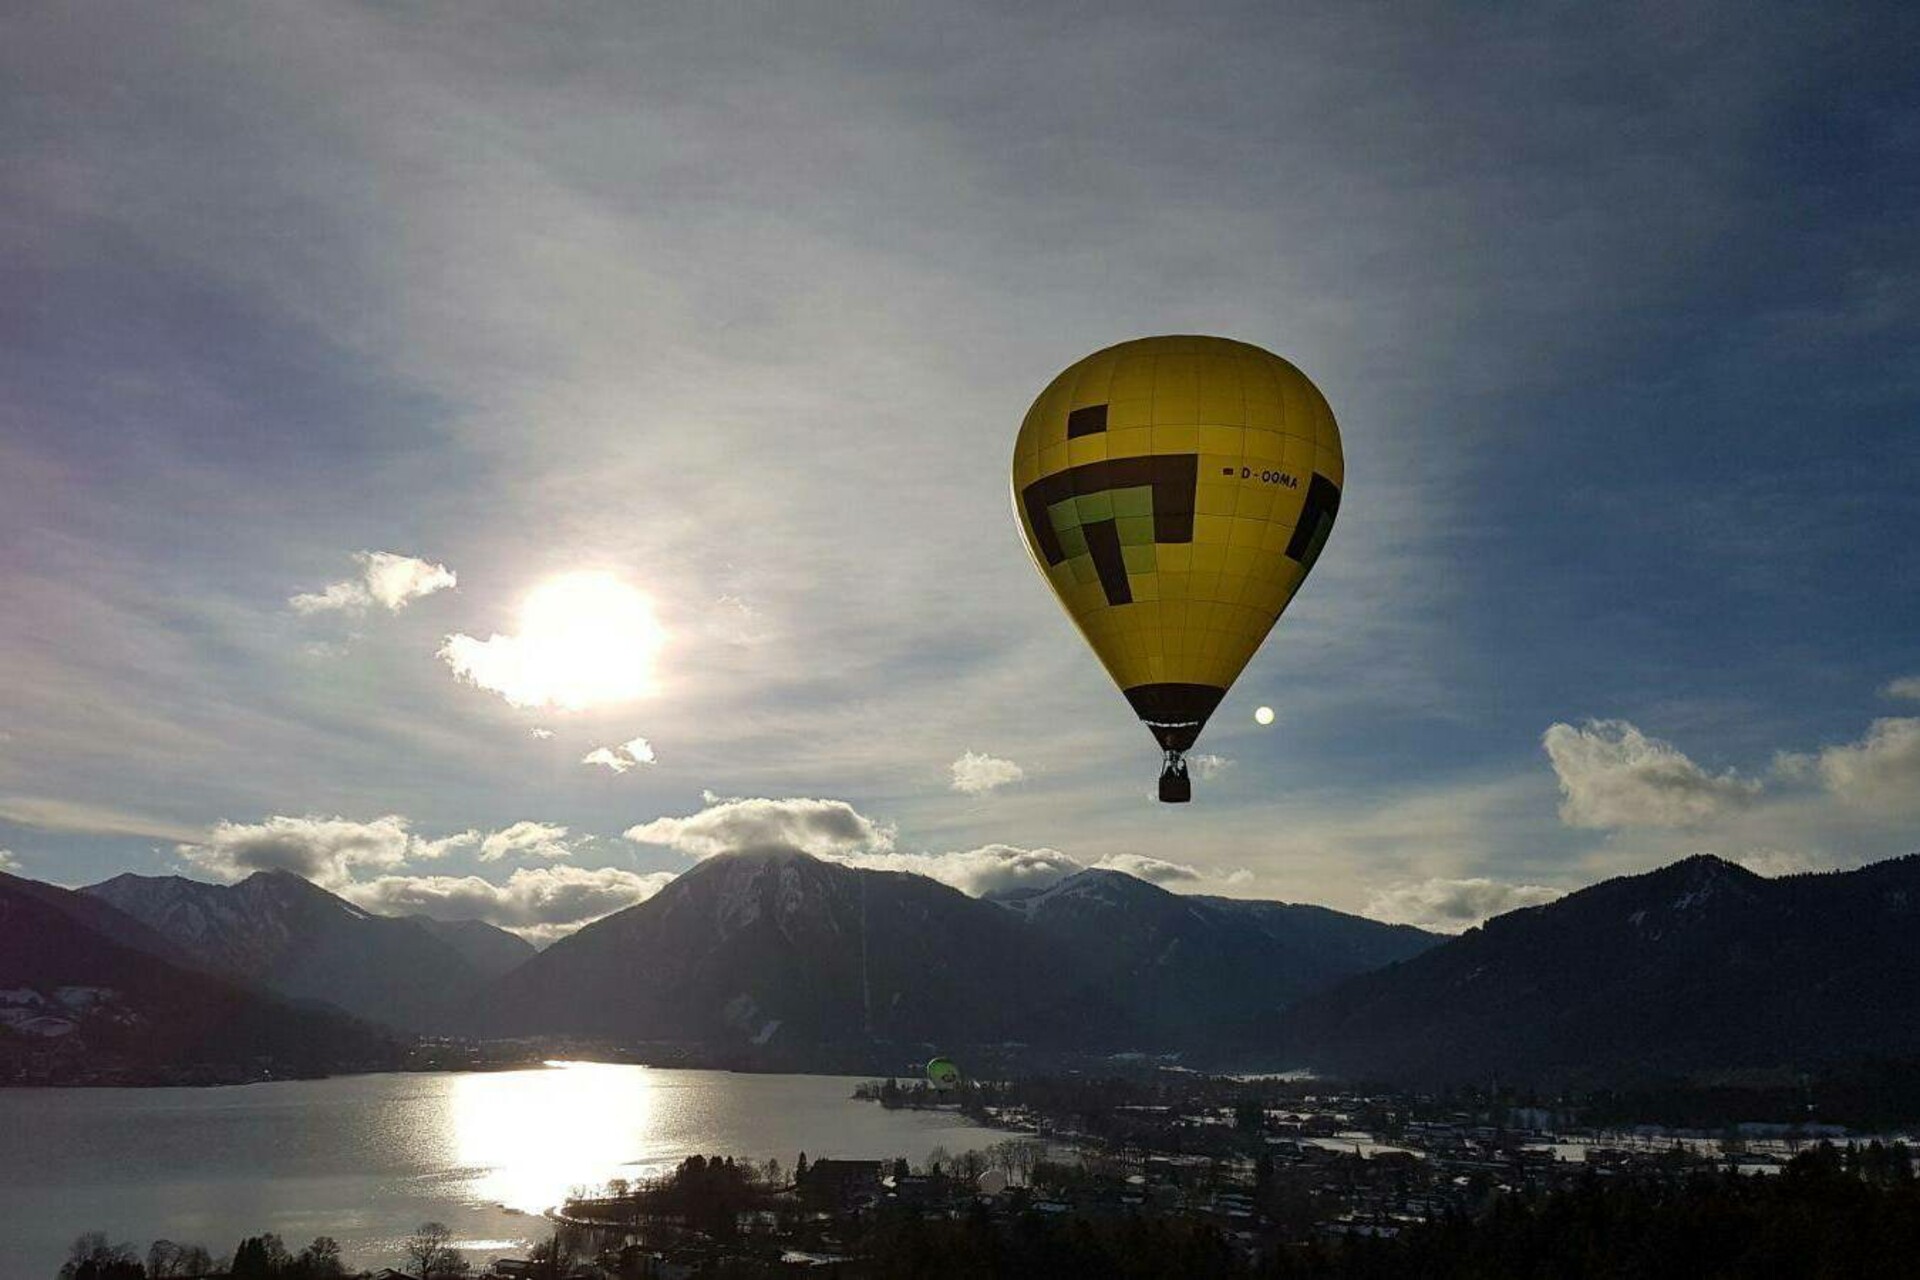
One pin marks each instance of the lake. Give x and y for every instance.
(366, 1159)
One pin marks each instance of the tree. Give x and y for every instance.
(250, 1260)
(430, 1253)
(800, 1168)
(93, 1258)
(319, 1260)
(163, 1260)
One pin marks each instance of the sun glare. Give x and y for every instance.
(586, 639)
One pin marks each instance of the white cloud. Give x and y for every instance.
(1153, 870)
(976, 774)
(431, 849)
(988, 869)
(526, 840)
(620, 758)
(9, 862)
(327, 851)
(1453, 905)
(1208, 766)
(1907, 687)
(538, 903)
(585, 639)
(1881, 772)
(825, 828)
(541, 734)
(1612, 775)
(1782, 862)
(387, 579)
(837, 832)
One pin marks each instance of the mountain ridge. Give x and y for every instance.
(1700, 965)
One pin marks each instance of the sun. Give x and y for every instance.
(586, 639)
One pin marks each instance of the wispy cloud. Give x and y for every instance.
(9, 862)
(387, 579)
(1907, 687)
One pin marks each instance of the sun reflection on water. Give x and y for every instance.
(528, 1138)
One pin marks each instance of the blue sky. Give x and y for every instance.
(742, 305)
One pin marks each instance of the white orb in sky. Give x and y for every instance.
(1263, 715)
(586, 640)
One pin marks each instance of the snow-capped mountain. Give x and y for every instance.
(84, 988)
(751, 948)
(294, 937)
(1701, 965)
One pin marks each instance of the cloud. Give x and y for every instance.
(541, 734)
(625, 756)
(387, 579)
(837, 832)
(538, 903)
(977, 774)
(431, 849)
(988, 869)
(824, 828)
(1782, 862)
(526, 840)
(327, 851)
(91, 819)
(1880, 772)
(1907, 687)
(1612, 775)
(9, 862)
(1453, 905)
(1208, 766)
(1153, 870)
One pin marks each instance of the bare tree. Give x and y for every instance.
(430, 1253)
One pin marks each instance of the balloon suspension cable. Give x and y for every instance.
(1176, 786)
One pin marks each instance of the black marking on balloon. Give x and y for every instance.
(1316, 521)
(1089, 421)
(1172, 476)
(1103, 541)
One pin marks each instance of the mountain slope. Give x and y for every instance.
(490, 950)
(1182, 966)
(294, 937)
(74, 1000)
(1698, 966)
(784, 948)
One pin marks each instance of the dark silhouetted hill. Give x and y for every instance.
(78, 1001)
(1698, 967)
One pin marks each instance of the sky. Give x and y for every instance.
(333, 335)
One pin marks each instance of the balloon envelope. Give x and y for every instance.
(1175, 492)
(942, 1074)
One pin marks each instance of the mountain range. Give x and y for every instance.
(293, 937)
(1698, 967)
(87, 992)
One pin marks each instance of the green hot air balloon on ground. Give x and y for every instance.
(943, 1075)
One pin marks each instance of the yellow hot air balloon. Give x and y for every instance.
(1175, 492)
